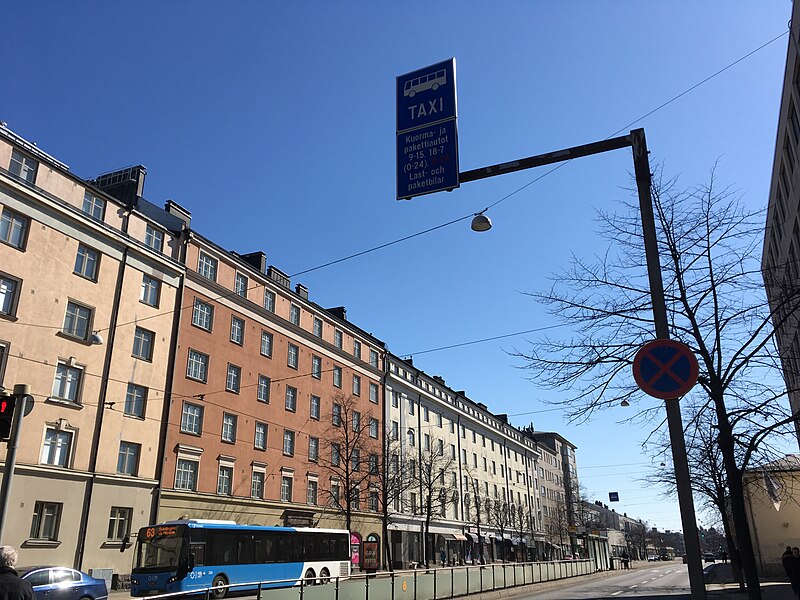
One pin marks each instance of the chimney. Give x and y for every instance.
(438, 379)
(279, 277)
(126, 185)
(338, 311)
(177, 210)
(301, 291)
(257, 260)
(503, 417)
(482, 405)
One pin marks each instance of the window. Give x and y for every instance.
(373, 393)
(356, 348)
(77, 321)
(294, 314)
(313, 449)
(373, 501)
(337, 376)
(356, 420)
(355, 459)
(288, 442)
(263, 388)
(356, 385)
(311, 493)
(46, 519)
(373, 358)
(411, 437)
(317, 327)
(224, 480)
(426, 442)
(336, 415)
(335, 493)
(185, 474)
(135, 399)
(292, 355)
(143, 344)
(373, 428)
(128, 458)
(410, 406)
(86, 261)
(260, 439)
(240, 285)
(192, 418)
(440, 447)
(233, 380)
(154, 238)
(413, 503)
(453, 451)
(237, 330)
(291, 398)
(197, 365)
(373, 464)
(119, 523)
(67, 383)
(395, 400)
(474, 460)
(485, 464)
(23, 166)
(315, 407)
(439, 419)
(207, 266)
(395, 431)
(57, 448)
(338, 338)
(355, 498)
(9, 294)
(269, 300)
(151, 290)
(266, 344)
(425, 414)
(316, 367)
(257, 485)
(93, 206)
(202, 315)
(336, 455)
(13, 228)
(286, 488)
(229, 428)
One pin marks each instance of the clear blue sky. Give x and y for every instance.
(274, 124)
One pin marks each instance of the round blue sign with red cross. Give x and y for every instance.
(665, 369)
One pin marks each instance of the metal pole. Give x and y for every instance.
(22, 394)
(641, 164)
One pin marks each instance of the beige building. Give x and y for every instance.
(88, 288)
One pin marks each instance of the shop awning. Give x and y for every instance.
(471, 536)
(459, 537)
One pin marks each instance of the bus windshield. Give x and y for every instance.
(159, 550)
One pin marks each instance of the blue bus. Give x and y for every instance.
(193, 555)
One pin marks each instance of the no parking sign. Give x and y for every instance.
(665, 369)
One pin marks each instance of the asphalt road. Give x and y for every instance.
(660, 581)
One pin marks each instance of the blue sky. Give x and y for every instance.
(274, 124)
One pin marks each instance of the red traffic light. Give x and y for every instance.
(7, 406)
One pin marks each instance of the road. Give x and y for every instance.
(651, 582)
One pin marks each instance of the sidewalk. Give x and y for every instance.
(721, 586)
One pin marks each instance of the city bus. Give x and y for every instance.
(193, 555)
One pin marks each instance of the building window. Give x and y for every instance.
(233, 379)
(192, 418)
(67, 383)
(410, 406)
(317, 327)
(202, 315)
(286, 489)
(453, 451)
(240, 285)
(373, 359)
(336, 415)
(313, 449)
(197, 365)
(13, 228)
(311, 493)
(355, 498)
(292, 355)
(338, 338)
(135, 400)
(426, 442)
(186, 475)
(355, 459)
(260, 440)
(395, 431)
(224, 480)
(257, 485)
(264, 383)
(128, 458)
(154, 238)
(86, 262)
(151, 290)
(411, 438)
(294, 314)
(269, 300)
(395, 400)
(425, 414)
(315, 407)
(373, 501)
(119, 523)
(373, 428)
(373, 464)
(207, 266)
(288, 442)
(291, 398)
(143, 344)
(337, 376)
(237, 330)
(335, 493)
(93, 206)
(266, 344)
(57, 448)
(9, 295)
(356, 385)
(229, 428)
(356, 420)
(356, 348)
(23, 166)
(336, 455)
(373, 393)
(316, 367)
(77, 321)
(46, 519)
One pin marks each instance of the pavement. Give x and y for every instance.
(720, 585)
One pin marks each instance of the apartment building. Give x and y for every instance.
(267, 386)
(88, 290)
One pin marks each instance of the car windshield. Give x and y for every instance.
(158, 553)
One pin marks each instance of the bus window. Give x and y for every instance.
(246, 550)
(199, 551)
(223, 548)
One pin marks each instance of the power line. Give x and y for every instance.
(482, 340)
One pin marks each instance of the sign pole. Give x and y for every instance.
(22, 393)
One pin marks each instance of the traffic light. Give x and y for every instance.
(7, 405)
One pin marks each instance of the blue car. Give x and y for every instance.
(61, 583)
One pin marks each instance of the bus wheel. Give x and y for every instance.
(310, 577)
(218, 589)
(324, 576)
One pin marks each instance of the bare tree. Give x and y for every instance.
(391, 485)
(709, 244)
(556, 526)
(499, 516)
(435, 488)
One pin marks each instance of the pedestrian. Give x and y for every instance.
(443, 557)
(724, 556)
(11, 586)
(791, 564)
(625, 560)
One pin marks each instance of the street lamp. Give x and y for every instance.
(480, 222)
